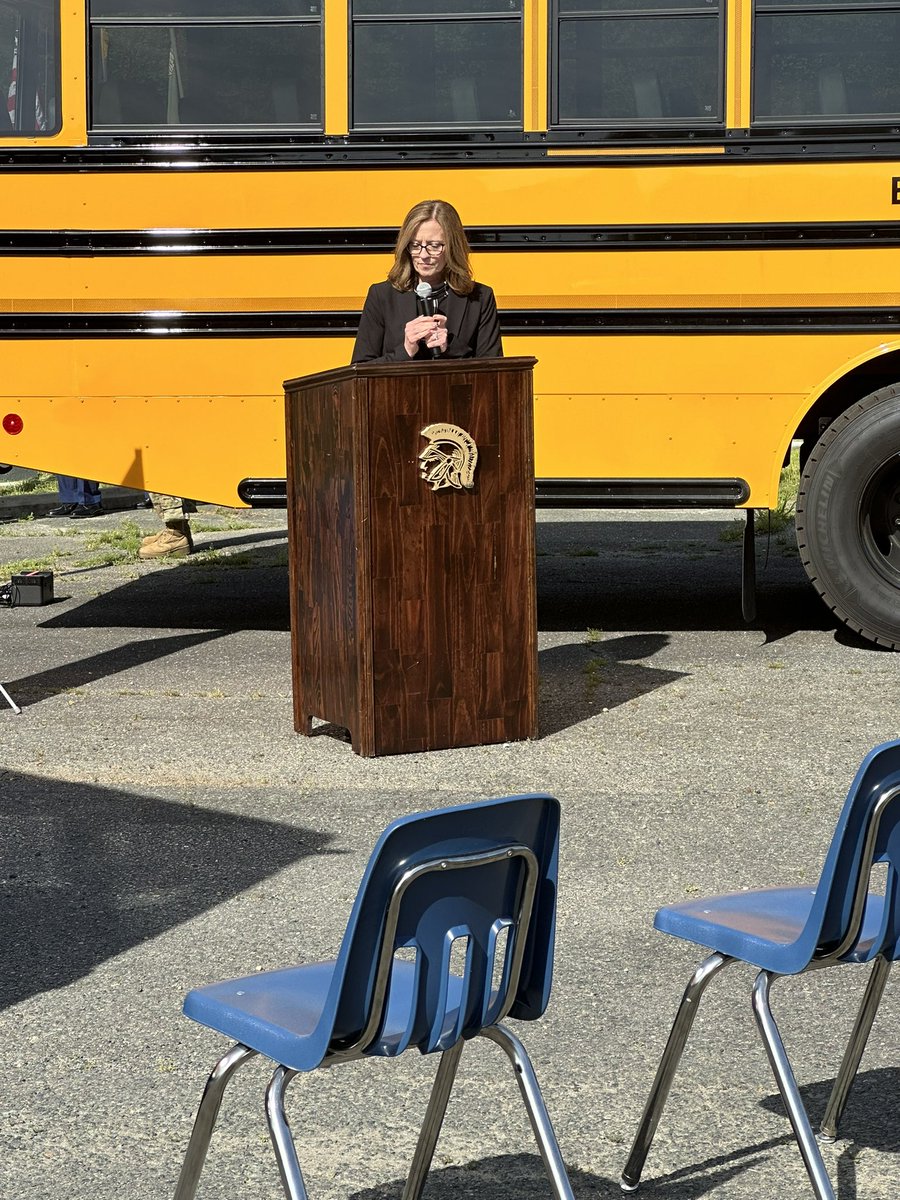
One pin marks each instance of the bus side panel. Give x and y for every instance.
(633, 409)
(186, 415)
(175, 415)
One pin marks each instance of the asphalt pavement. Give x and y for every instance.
(163, 827)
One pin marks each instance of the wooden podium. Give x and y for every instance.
(413, 606)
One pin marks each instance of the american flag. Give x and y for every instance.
(11, 94)
(40, 122)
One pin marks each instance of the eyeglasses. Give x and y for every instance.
(431, 247)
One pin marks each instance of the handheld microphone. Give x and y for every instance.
(426, 308)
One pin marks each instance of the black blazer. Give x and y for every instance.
(473, 330)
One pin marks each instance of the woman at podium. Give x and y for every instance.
(429, 306)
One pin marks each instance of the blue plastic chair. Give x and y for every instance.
(452, 930)
(785, 931)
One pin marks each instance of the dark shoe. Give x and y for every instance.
(86, 510)
(64, 510)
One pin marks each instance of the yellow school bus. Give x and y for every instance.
(688, 210)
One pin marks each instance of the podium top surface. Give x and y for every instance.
(415, 366)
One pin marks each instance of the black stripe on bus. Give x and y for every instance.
(375, 240)
(266, 150)
(573, 493)
(514, 322)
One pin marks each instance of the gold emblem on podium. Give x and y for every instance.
(449, 459)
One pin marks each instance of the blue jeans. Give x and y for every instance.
(77, 491)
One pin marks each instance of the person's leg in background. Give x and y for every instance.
(174, 540)
(76, 495)
(90, 504)
(69, 498)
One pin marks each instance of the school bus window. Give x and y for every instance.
(419, 64)
(830, 61)
(225, 9)
(615, 63)
(29, 68)
(255, 65)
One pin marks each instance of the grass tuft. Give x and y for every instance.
(779, 518)
(126, 537)
(44, 562)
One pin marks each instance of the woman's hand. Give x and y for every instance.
(430, 330)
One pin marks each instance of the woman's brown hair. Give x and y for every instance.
(456, 247)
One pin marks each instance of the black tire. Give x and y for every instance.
(848, 517)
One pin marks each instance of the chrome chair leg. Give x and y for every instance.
(205, 1120)
(279, 1131)
(537, 1111)
(668, 1065)
(434, 1119)
(855, 1049)
(787, 1085)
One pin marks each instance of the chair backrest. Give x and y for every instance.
(464, 99)
(648, 100)
(286, 102)
(867, 832)
(108, 104)
(476, 877)
(833, 92)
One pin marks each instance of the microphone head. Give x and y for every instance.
(423, 290)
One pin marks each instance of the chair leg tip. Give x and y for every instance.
(628, 1187)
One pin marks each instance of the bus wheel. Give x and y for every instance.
(848, 517)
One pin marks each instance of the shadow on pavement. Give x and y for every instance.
(501, 1177)
(705, 1177)
(87, 872)
(641, 576)
(666, 575)
(31, 689)
(520, 1176)
(245, 591)
(579, 681)
(869, 1121)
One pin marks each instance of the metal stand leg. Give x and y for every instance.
(206, 1119)
(855, 1048)
(9, 700)
(537, 1111)
(285, 1151)
(787, 1085)
(434, 1119)
(668, 1065)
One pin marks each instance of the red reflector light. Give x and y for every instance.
(12, 423)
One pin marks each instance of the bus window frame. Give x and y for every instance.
(14, 136)
(462, 127)
(818, 122)
(671, 126)
(98, 132)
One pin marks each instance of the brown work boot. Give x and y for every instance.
(170, 543)
(151, 537)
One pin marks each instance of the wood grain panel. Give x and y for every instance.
(413, 617)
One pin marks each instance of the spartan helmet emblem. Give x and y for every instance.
(449, 459)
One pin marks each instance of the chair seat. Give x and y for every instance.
(784, 931)
(762, 927)
(452, 929)
(279, 1013)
